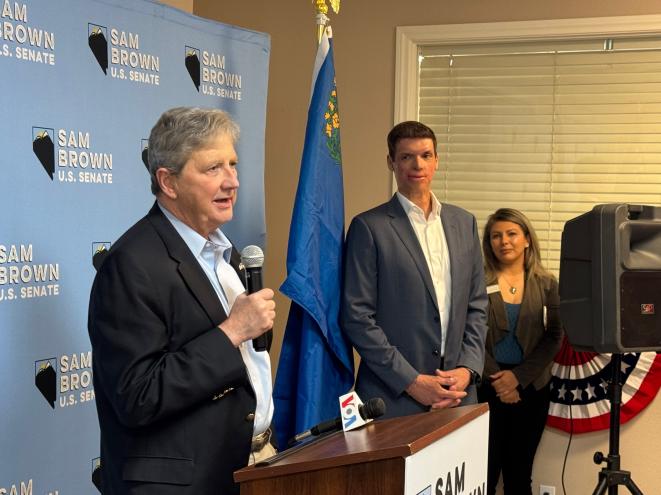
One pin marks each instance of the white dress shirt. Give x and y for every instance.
(431, 237)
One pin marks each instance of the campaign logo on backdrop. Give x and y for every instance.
(65, 381)
(192, 63)
(122, 55)
(96, 472)
(72, 154)
(22, 40)
(44, 148)
(18, 488)
(99, 252)
(45, 379)
(97, 40)
(212, 74)
(144, 152)
(21, 277)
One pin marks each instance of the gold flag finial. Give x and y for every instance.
(321, 9)
(335, 4)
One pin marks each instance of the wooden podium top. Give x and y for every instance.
(385, 439)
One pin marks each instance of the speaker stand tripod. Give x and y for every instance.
(611, 476)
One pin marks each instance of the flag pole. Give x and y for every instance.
(321, 9)
(322, 19)
(316, 362)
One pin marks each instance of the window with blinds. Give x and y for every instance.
(551, 129)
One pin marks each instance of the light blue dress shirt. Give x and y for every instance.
(213, 255)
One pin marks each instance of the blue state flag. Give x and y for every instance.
(316, 362)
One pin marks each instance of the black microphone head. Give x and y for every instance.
(373, 408)
(252, 257)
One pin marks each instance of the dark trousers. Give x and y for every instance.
(514, 433)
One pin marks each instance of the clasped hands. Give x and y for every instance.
(505, 384)
(441, 390)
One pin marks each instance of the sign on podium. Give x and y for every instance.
(435, 453)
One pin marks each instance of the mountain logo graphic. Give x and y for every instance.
(44, 148)
(99, 252)
(98, 43)
(144, 153)
(45, 379)
(192, 63)
(96, 473)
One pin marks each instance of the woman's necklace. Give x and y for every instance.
(512, 290)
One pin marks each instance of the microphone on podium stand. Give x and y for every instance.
(252, 258)
(372, 409)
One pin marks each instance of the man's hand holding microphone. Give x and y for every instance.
(253, 312)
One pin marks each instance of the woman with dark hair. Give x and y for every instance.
(524, 335)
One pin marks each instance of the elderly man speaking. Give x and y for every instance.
(182, 396)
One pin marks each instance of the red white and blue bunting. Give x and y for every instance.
(579, 388)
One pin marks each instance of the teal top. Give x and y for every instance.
(508, 350)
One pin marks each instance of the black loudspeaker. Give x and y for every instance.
(610, 279)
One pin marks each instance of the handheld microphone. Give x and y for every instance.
(252, 258)
(373, 408)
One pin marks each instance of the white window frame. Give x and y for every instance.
(410, 37)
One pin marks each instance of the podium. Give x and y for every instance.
(437, 452)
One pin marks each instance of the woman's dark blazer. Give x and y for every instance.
(538, 330)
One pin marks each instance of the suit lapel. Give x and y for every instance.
(497, 307)
(404, 230)
(190, 270)
(450, 229)
(532, 299)
(237, 264)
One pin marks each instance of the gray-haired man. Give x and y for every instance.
(183, 399)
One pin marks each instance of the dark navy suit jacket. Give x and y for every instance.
(175, 404)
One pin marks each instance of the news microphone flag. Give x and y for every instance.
(316, 362)
(352, 418)
(354, 415)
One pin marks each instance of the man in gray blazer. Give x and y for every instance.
(414, 302)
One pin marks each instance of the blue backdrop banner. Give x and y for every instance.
(82, 82)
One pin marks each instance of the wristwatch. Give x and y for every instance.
(475, 376)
